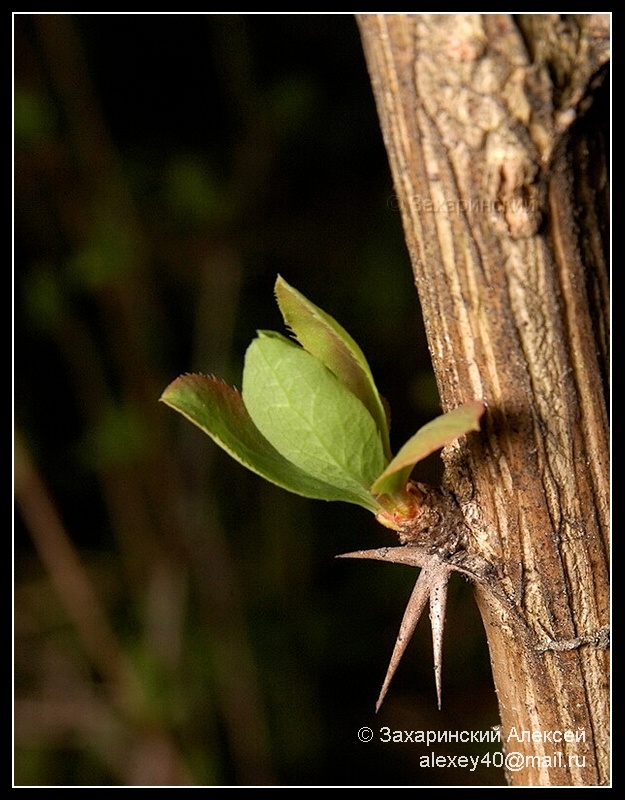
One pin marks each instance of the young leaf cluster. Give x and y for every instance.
(310, 418)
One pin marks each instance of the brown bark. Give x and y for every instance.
(501, 177)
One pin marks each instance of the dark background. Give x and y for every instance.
(167, 168)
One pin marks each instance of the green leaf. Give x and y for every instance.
(326, 340)
(219, 411)
(310, 417)
(431, 437)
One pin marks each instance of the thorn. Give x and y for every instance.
(438, 604)
(431, 583)
(413, 612)
(410, 555)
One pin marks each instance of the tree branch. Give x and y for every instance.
(480, 118)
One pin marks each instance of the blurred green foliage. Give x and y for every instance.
(189, 624)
